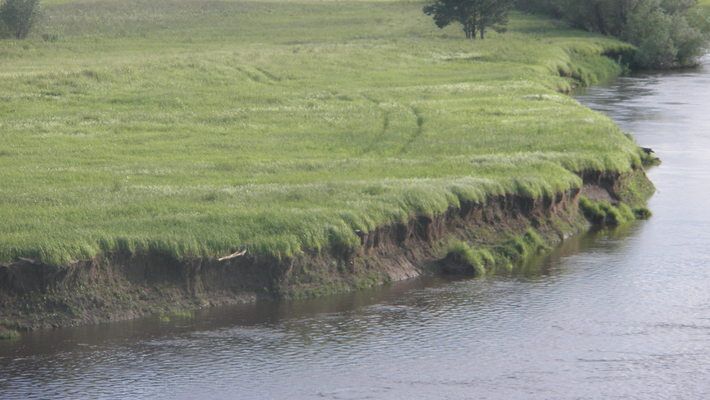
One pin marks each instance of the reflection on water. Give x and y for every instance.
(608, 315)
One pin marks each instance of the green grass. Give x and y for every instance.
(475, 261)
(603, 213)
(481, 259)
(198, 128)
(9, 334)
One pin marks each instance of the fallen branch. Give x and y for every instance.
(233, 255)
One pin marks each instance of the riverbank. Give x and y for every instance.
(474, 239)
(312, 147)
(614, 313)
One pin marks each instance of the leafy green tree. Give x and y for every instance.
(18, 16)
(667, 33)
(678, 6)
(475, 16)
(446, 12)
(604, 16)
(493, 15)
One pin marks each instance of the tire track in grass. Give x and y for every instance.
(259, 75)
(266, 73)
(418, 132)
(379, 137)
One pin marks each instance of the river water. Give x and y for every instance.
(622, 314)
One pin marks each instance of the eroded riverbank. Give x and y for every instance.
(123, 286)
(611, 315)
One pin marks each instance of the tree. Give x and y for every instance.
(667, 33)
(493, 14)
(18, 16)
(475, 16)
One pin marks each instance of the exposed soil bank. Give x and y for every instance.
(122, 286)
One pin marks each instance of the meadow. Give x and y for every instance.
(200, 128)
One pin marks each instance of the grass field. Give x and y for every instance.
(198, 128)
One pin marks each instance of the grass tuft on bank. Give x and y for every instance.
(603, 213)
(9, 334)
(463, 258)
(198, 129)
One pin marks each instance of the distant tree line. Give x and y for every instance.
(475, 16)
(17, 17)
(667, 33)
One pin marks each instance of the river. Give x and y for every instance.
(623, 314)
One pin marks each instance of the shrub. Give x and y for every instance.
(17, 17)
(665, 38)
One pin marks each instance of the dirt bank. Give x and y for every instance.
(123, 286)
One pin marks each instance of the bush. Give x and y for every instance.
(17, 17)
(665, 38)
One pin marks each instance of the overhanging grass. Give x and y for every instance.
(604, 213)
(197, 128)
(479, 260)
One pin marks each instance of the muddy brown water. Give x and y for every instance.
(622, 314)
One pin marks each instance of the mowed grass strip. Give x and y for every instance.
(198, 128)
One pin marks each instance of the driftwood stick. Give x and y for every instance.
(233, 255)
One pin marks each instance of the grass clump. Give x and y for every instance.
(649, 158)
(9, 334)
(642, 213)
(604, 213)
(522, 247)
(196, 129)
(176, 315)
(463, 259)
(635, 189)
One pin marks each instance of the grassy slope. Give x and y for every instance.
(202, 127)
